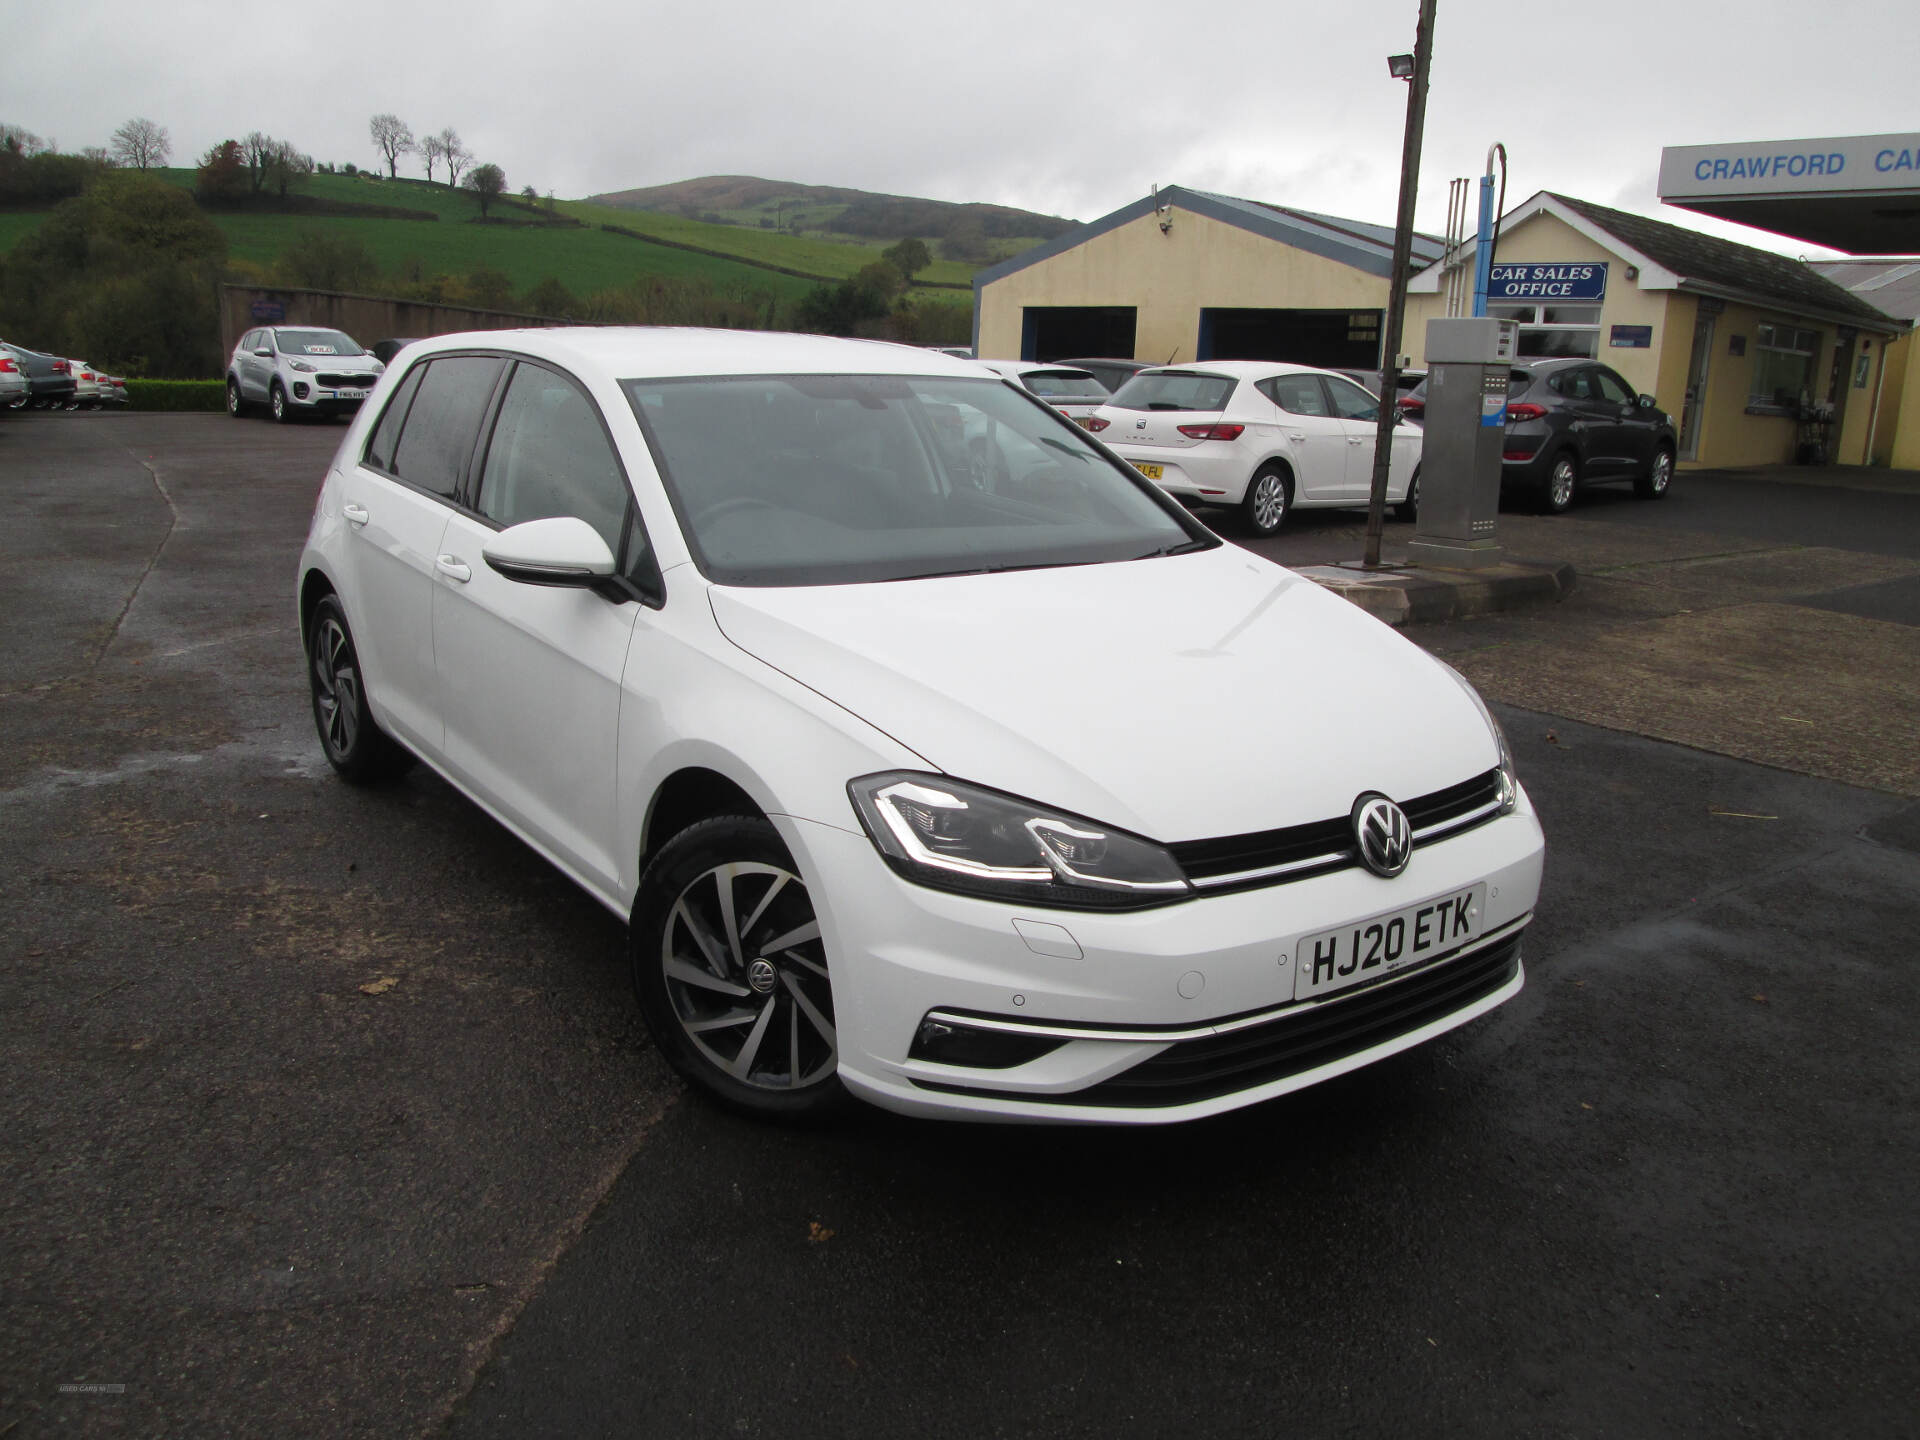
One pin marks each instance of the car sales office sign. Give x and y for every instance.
(1551, 280)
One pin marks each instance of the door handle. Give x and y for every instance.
(1355, 440)
(450, 566)
(1297, 436)
(356, 514)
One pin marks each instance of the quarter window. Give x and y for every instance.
(1783, 357)
(549, 456)
(380, 446)
(437, 435)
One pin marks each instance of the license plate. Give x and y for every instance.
(1367, 949)
(1152, 472)
(350, 394)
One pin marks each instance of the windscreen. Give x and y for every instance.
(1174, 390)
(840, 479)
(1064, 385)
(316, 342)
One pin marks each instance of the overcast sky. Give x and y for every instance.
(1070, 109)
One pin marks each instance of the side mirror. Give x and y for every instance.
(1647, 402)
(562, 551)
(264, 354)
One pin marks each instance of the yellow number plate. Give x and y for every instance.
(1152, 472)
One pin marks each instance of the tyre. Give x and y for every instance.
(730, 972)
(1659, 477)
(1562, 480)
(1409, 508)
(356, 746)
(1269, 494)
(277, 403)
(236, 407)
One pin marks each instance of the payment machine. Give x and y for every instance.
(1466, 426)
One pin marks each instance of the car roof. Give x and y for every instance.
(622, 352)
(1243, 369)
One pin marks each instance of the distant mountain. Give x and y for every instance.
(784, 205)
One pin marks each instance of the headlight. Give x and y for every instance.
(1509, 779)
(303, 367)
(954, 836)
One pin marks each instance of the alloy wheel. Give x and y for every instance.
(1269, 502)
(1560, 484)
(746, 975)
(336, 688)
(1662, 475)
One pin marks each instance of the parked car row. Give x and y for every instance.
(32, 379)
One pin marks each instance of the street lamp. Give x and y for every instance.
(1414, 68)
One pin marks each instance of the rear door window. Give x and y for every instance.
(437, 435)
(1296, 394)
(1612, 387)
(1350, 402)
(380, 446)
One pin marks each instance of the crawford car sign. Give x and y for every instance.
(1552, 280)
(1791, 167)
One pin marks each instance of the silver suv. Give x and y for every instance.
(299, 370)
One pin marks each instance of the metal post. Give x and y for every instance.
(1483, 247)
(1397, 296)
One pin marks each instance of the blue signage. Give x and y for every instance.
(269, 311)
(1631, 337)
(1557, 280)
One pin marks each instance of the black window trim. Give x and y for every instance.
(1327, 379)
(456, 500)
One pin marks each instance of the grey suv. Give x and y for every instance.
(1573, 423)
(298, 370)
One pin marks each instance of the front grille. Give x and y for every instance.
(1300, 851)
(335, 382)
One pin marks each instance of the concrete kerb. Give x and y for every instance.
(1413, 595)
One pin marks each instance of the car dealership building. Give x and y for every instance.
(1760, 358)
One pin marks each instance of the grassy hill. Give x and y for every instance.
(585, 258)
(843, 215)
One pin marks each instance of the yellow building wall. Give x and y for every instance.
(1900, 410)
(1544, 239)
(1169, 277)
(1732, 436)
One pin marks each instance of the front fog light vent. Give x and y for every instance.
(947, 1042)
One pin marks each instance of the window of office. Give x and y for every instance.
(1552, 332)
(1783, 357)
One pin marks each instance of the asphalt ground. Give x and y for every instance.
(328, 1111)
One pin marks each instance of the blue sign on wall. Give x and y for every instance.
(269, 310)
(1556, 280)
(1631, 337)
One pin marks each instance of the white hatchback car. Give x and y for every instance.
(1264, 436)
(908, 758)
(1076, 394)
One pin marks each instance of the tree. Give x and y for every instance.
(457, 156)
(20, 140)
(487, 181)
(328, 260)
(392, 137)
(909, 257)
(530, 195)
(431, 153)
(551, 299)
(489, 289)
(141, 145)
(286, 167)
(222, 176)
(257, 151)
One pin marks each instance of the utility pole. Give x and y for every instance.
(1402, 262)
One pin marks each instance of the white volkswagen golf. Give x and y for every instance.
(931, 753)
(1261, 435)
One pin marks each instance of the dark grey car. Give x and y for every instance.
(1572, 423)
(49, 378)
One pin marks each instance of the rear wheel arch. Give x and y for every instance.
(313, 589)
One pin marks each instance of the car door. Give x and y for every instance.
(1359, 413)
(530, 675)
(251, 368)
(1594, 421)
(397, 497)
(1313, 439)
(1633, 424)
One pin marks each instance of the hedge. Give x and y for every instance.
(176, 394)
